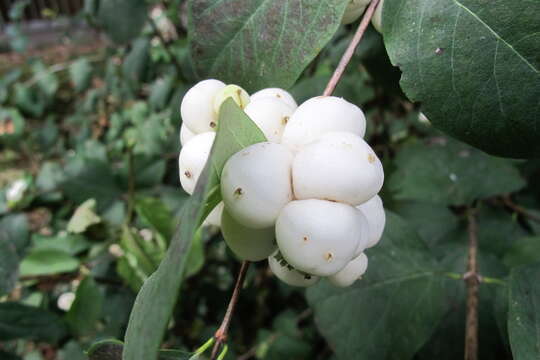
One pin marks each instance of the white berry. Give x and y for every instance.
(197, 108)
(321, 115)
(373, 210)
(339, 166)
(287, 274)
(271, 115)
(318, 237)
(350, 273)
(185, 134)
(247, 243)
(354, 9)
(376, 20)
(214, 218)
(235, 92)
(277, 93)
(192, 159)
(256, 184)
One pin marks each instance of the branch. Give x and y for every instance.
(472, 279)
(347, 55)
(222, 332)
(507, 200)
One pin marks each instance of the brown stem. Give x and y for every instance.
(507, 200)
(222, 332)
(472, 279)
(347, 55)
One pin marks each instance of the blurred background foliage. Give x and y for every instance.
(90, 196)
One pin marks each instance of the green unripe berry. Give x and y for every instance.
(239, 95)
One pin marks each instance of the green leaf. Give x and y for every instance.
(15, 230)
(19, 321)
(84, 217)
(474, 67)
(112, 350)
(523, 251)
(160, 92)
(123, 20)
(9, 266)
(81, 74)
(47, 262)
(70, 243)
(86, 309)
(523, 315)
(402, 290)
(136, 62)
(11, 124)
(443, 172)
(153, 306)
(154, 213)
(432, 221)
(260, 43)
(90, 179)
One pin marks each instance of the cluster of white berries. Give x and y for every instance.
(307, 198)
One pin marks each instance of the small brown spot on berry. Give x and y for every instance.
(212, 124)
(188, 174)
(305, 238)
(279, 96)
(329, 256)
(371, 158)
(238, 192)
(285, 120)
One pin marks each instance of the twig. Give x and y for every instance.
(507, 200)
(222, 332)
(131, 185)
(347, 55)
(472, 280)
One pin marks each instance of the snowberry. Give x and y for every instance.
(214, 218)
(376, 20)
(318, 237)
(350, 273)
(239, 95)
(192, 159)
(247, 243)
(321, 115)
(271, 115)
(256, 184)
(197, 108)
(354, 10)
(185, 134)
(288, 274)
(373, 210)
(339, 166)
(277, 93)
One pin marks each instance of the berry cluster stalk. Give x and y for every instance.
(347, 55)
(472, 279)
(221, 334)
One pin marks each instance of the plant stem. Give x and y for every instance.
(222, 332)
(131, 185)
(519, 209)
(472, 280)
(347, 55)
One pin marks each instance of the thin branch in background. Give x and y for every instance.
(222, 332)
(507, 200)
(472, 279)
(131, 185)
(347, 55)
